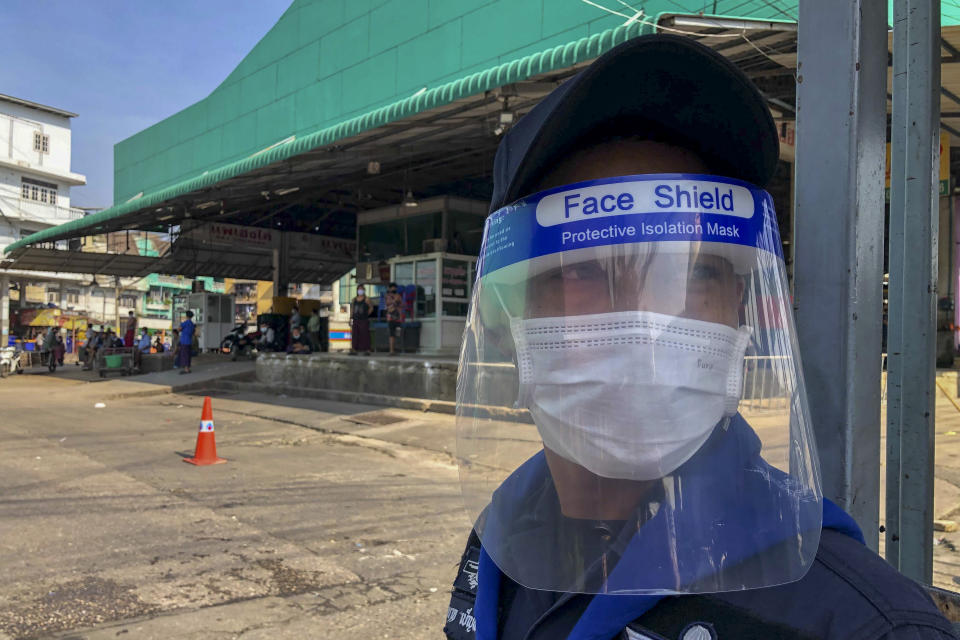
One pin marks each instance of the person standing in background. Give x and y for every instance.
(130, 335)
(360, 310)
(313, 330)
(394, 306)
(296, 319)
(187, 329)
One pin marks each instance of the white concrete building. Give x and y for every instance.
(35, 181)
(35, 175)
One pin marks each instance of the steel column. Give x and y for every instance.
(4, 310)
(838, 231)
(914, 222)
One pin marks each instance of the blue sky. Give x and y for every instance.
(122, 65)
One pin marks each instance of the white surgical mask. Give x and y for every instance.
(630, 395)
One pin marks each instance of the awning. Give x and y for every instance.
(315, 258)
(60, 261)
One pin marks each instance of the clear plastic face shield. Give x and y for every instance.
(631, 415)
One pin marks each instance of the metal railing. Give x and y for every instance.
(764, 386)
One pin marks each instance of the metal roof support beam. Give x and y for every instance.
(914, 222)
(841, 126)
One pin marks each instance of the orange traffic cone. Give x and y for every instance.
(206, 452)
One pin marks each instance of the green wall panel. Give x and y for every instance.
(318, 103)
(395, 22)
(193, 121)
(345, 46)
(488, 31)
(556, 39)
(299, 69)
(441, 11)
(276, 116)
(208, 147)
(436, 53)
(239, 135)
(224, 105)
(320, 18)
(326, 61)
(355, 8)
(370, 83)
(258, 89)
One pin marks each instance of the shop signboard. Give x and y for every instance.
(245, 239)
(236, 236)
(454, 279)
(326, 247)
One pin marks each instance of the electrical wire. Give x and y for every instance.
(778, 9)
(657, 26)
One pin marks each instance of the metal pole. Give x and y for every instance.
(116, 303)
(4, 310)
(914, 222)
(841, 131)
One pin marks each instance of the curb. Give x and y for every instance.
(356, 397)
(162, 390)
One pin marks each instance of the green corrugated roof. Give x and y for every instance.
(552, 59)
(326, 61)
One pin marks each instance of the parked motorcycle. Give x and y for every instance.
(10, 361)
(240, 343)
(248, 345)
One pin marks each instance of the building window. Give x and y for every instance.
(40, 191)
(41, 142)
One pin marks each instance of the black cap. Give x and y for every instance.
(666, 87)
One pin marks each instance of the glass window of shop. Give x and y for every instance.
(382, 240)
(425, 277)
(423, 228)
(465, 232)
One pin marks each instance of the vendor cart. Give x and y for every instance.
(115, 360)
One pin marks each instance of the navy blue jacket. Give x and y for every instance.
(849, 592)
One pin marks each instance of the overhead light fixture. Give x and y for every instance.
(373, 168)
(286, 190)
(409, 200)
(208, 204)
(505, 122)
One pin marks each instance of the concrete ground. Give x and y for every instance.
(340, 530)
(330, 520)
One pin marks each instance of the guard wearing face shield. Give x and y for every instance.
(629, 253)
